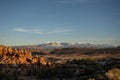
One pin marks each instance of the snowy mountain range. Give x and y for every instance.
(52, 45)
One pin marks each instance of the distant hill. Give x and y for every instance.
(87, 51)
(70, 48)
(53, 45)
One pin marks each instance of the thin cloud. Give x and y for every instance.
(37, 31)
(21, 30)
(27, 30)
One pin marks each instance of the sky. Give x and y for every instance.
(29, 22)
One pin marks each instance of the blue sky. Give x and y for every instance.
(28, 22)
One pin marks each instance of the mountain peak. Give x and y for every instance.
(53, 44)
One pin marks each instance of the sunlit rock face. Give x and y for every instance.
(10, 55)
(40, 60)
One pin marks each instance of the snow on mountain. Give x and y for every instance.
(52, 45)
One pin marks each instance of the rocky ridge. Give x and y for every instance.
(10, 55)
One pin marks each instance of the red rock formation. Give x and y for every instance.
(38, 60)
(10, 55)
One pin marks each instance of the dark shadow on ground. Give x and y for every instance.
(71, 70)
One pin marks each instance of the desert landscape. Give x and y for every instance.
(59, 64)
(59, 39)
